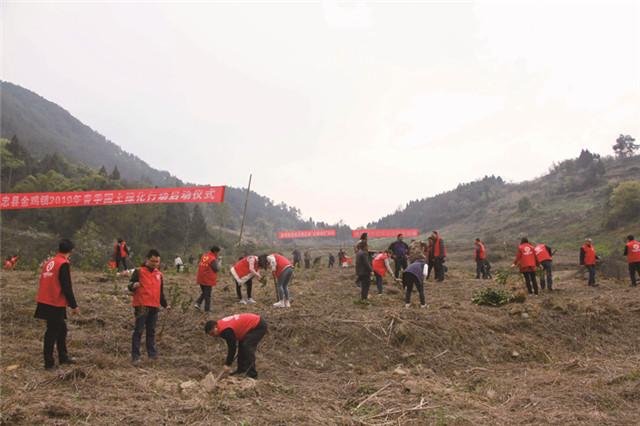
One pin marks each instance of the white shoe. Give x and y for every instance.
(250, 301)
(196, 306)
(408, 305)
(287, 304)
(423, 306)
(242, 302)
(279, 304)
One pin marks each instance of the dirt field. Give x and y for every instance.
(571, 357)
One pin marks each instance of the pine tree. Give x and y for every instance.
(115, 174)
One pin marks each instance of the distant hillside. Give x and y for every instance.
(569, 203)
(45, 128)
(47, 149)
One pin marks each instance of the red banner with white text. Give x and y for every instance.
(42, 200)
(385, 233)
(283, 235)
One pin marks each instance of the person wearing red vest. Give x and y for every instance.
(438, 255)
(241, 331)
(7, 265)
(207, 277)
(632, 251)
(545, 258)
(243, 272)
(381, 265)
(55, 293)
(147, 291)
(282, 271)
(526, 259)
(588, 258)
(480, 256)
(120, 254)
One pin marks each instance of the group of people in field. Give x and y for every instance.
(412, 265)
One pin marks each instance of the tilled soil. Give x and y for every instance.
(567, 357)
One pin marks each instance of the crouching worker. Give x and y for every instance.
(241, 331)
(147, 291)
(415, 275)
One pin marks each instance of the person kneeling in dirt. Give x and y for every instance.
(243, 331)
(147, 291)
(54, 295)
(414, 275)
(282, 270)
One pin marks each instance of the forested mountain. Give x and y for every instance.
(585, 196)
(47, 149)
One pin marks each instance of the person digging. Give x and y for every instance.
(241, 331)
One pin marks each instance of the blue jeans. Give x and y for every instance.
(146, 318)
(378, 283)
(283, 283)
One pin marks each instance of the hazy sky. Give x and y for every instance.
(345, 110)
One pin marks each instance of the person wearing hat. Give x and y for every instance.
(588, 258)
(242, 332)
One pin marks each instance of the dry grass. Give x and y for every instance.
(571, 357)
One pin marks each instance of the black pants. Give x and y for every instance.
(307, 263)
(121, 261)
(438, 266)
(400, 263)
(408, 281)
(247, 350)
(531, 282)
(481, 269)
(633, 268)
(205, 296)
(364, 282)
(56, 335)
(249, 285)
(546, 271)
(146, 319)
(592, 274)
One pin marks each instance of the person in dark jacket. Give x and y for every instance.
(55, 293)
(363, 270)
(297, 258)
(414, 275)
(332, 260)
(147, 289)
(400, 250)
(241, 331)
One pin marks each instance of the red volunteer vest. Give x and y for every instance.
(206, 275)
(480, 253)
(282, 263)
(526, 257)
(437, 250)
(50, 290)
(7, 265)
(241, 324)
(120, 249)
(542, 253)
(378, 264)
(633, 251)
(589, 255)
(148, 294)
(242, 266)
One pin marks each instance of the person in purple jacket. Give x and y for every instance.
(414, 276)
